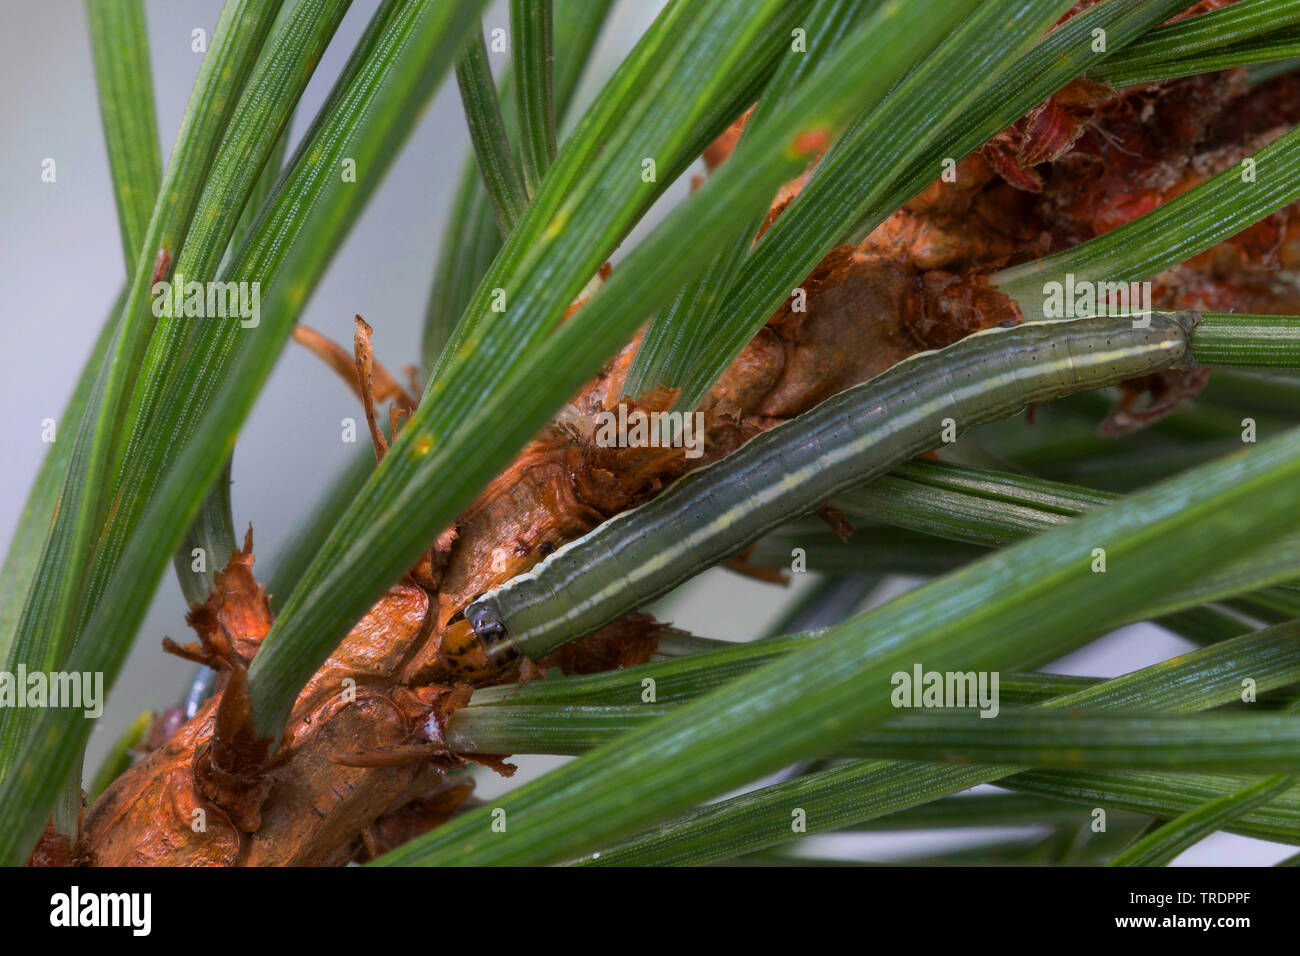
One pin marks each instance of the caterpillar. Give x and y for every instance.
(850, 439)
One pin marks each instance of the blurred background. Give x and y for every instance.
(61, 267)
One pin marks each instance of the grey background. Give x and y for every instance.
(61, 266)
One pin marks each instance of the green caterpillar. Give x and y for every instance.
(848, 440)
